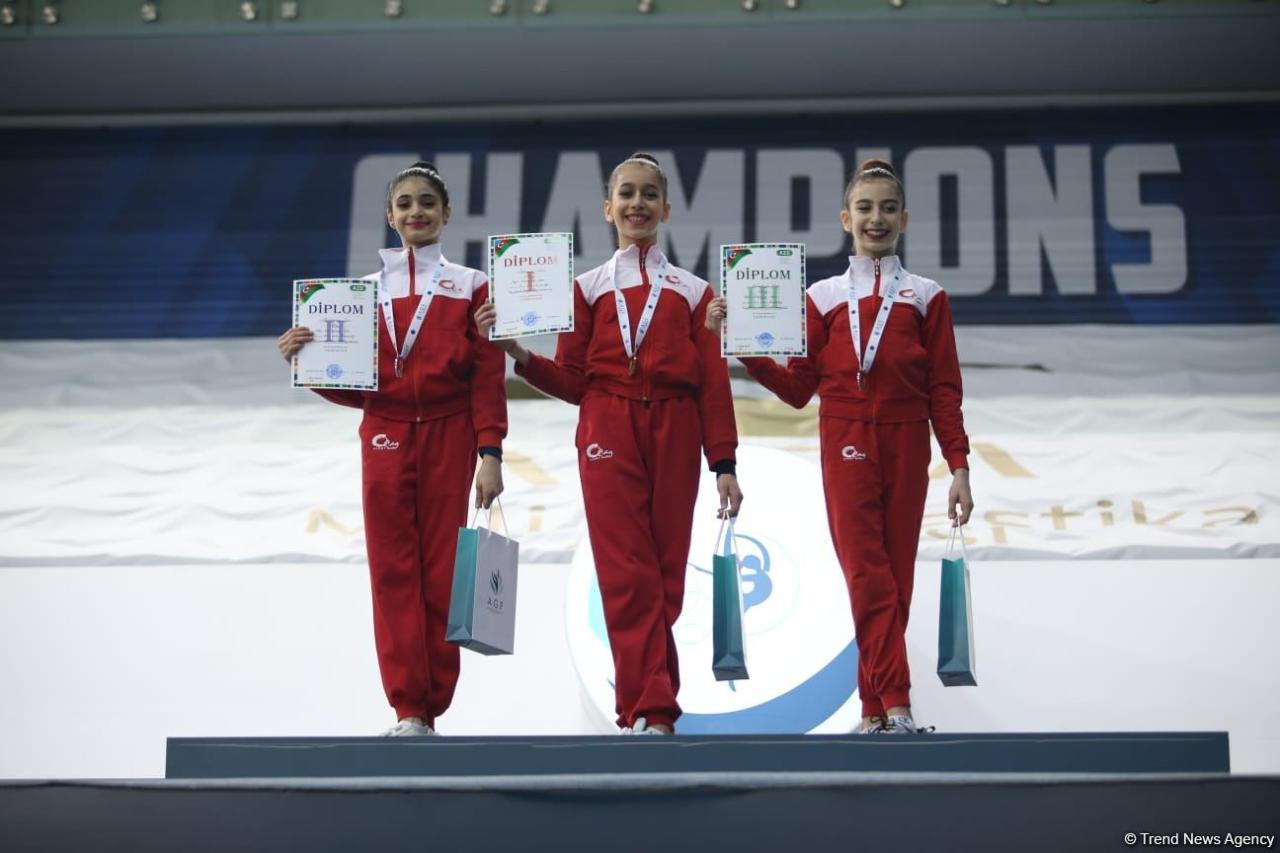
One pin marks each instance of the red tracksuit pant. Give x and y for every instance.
(417, 480)
(640, 465)
(876, 478)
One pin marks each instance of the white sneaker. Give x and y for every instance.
(875, 726)
(409, 728)
(641, 727)
(903, 724)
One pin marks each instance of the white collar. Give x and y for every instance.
(624, 266)
(397, 260)
(861, 266)
(631, 255)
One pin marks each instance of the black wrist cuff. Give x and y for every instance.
(726, 466)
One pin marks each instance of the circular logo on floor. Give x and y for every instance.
(800, 653)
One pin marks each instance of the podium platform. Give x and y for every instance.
(1093, 753)
(1047, 792)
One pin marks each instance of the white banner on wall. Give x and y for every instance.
(101, 466)
(282, 484)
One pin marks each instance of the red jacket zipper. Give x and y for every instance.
(413, 290)
(875, 292)
(640, 367)
(875, 306)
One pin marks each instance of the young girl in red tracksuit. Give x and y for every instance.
(441, 398)
(654, 392)
(878, 401)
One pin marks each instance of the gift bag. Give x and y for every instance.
(729, 660)
(482, 606)
(956, 662)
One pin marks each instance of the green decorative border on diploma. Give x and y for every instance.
(730, 254)
(309, 287)
(498, 246)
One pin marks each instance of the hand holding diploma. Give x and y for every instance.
(293, 340)
(485, 318)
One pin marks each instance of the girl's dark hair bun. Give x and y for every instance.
(874, 169)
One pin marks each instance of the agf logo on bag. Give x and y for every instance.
(494, 601)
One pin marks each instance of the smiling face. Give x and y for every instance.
(875, 215)
(637, 205)
(417, 213)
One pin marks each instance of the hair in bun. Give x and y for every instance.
(874, 169)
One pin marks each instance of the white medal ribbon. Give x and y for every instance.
(415, 325)
(646, 317)
(867, 358)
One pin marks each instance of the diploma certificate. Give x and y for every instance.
(531, 283)
(764, 286)
(343, 314)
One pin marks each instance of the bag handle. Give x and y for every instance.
(951, 542)
(488, 521)
(732, 541)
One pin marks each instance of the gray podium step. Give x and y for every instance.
(1088, 753)
(993, 815)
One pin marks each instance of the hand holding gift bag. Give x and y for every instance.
(956, 661)
(482, 606)
(729, 661)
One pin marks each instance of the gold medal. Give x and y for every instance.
(631, 368)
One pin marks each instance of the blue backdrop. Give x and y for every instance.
(1159, 215)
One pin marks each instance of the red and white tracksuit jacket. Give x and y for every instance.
(875, 446)
(419, 438)
(639, 436)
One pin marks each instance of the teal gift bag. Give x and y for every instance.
(729, 659)
(955, 619)
(482, 605)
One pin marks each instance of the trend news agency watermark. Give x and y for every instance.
(1195, 839)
